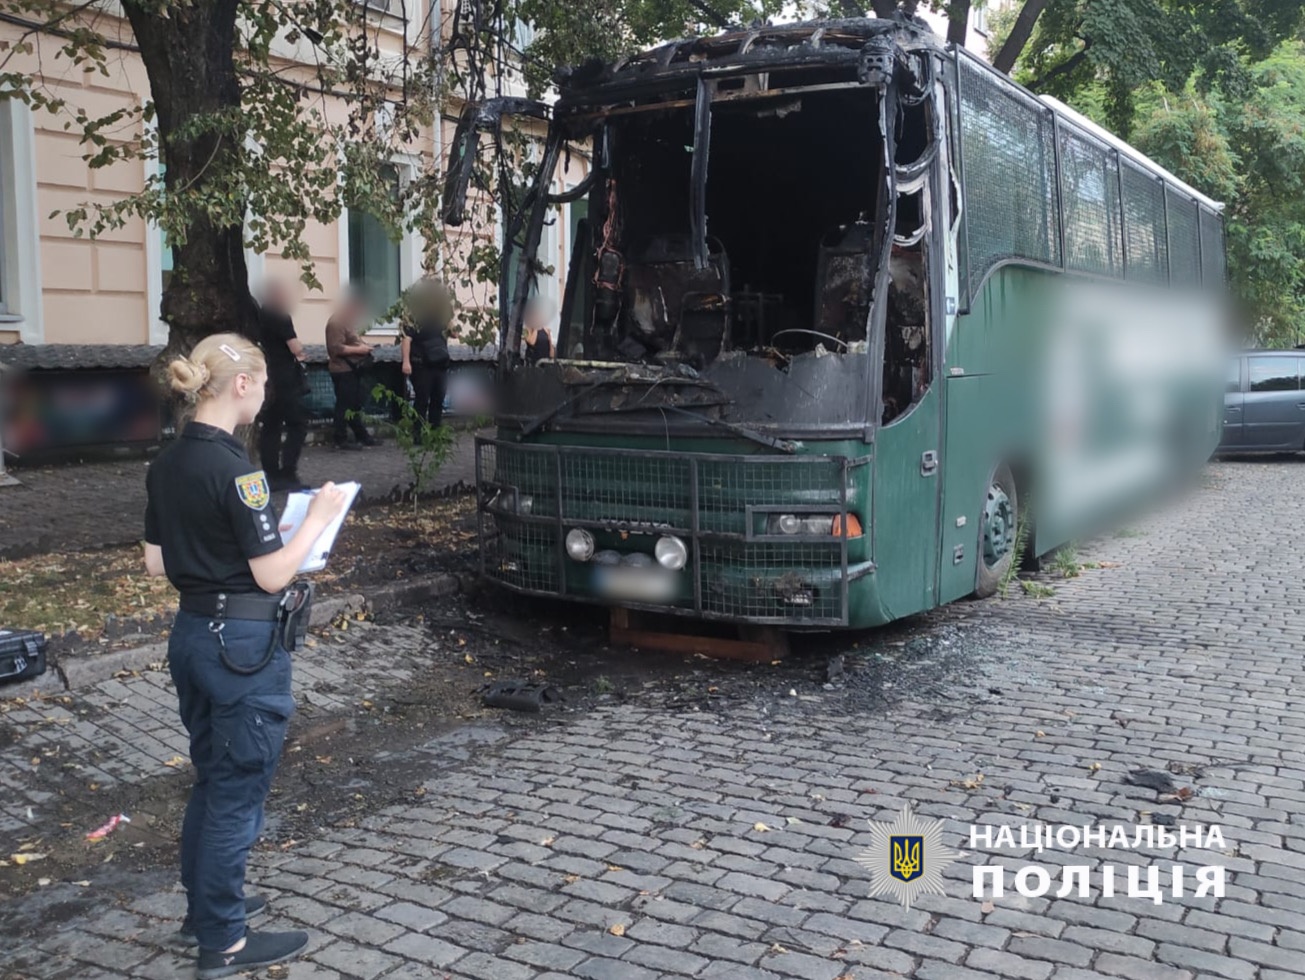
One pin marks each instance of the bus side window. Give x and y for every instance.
(907, 341)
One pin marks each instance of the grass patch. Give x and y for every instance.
(1037, 590)
(1065, 562)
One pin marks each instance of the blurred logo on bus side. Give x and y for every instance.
(906, 857)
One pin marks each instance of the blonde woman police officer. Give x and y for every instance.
(211, 528)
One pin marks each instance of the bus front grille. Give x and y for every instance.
(721, 506)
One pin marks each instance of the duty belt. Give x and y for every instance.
(243, 605)
(290, 610)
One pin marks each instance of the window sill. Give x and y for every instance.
(11, 318)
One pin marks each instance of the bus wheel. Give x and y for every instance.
(996, 532)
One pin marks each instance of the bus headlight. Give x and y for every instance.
(828, 524)
(579, 544)
(671, 552)
(509, 500)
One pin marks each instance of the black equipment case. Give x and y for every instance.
(22, 655)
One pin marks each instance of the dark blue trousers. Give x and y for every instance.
(237, 725)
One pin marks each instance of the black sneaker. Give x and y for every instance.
(255, 905)
(261, 949)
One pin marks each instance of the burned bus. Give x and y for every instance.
(849, 308)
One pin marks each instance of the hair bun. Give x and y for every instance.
(187, 377)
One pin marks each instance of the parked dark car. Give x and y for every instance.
(1264, 403)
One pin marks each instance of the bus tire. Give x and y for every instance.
(997, 525)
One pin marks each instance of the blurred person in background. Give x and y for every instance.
(287, 377)
(538, 315)
(426, 347)
(348, 356)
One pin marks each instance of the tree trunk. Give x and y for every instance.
(958, 21)
(1019, 36)
(189, 57)
(884, 8)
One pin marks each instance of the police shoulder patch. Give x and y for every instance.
(253, 490)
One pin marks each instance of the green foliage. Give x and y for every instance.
(1124, 45)
(1065, 562)
(425, 446)
(1021, 544)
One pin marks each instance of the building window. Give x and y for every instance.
(979, 19)
(375, 259)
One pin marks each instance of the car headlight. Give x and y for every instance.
(579, 544)
(671, 552)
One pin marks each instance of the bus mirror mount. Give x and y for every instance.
(477, 118)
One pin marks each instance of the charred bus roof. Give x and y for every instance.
(843, 46)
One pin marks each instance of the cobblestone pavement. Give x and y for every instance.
(97, 504)
(535, 837)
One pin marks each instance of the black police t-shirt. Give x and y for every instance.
(210, 510)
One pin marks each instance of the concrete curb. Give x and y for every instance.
(85, 671)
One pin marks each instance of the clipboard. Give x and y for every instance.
(296, 509)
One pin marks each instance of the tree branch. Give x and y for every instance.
(1019, 36)
(1065, 67)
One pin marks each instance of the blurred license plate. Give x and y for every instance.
(636, 584)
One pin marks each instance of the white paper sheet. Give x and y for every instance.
(296, 509)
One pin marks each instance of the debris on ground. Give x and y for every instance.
(1154, 779)
(104, 830)
(520, 695)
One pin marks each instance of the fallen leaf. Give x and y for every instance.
(324, 760)
(760, 828)
(615, 867)
(986, 907)
(21, 859)
(617, 930)
(548, 841)
(176, 761)
(1039, 734)
(571, 879)
(42, 881)
(1095, 767)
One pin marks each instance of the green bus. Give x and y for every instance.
(845, 307)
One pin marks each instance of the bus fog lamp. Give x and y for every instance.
(671, 552)
(579, 544)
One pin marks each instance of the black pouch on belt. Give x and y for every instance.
(296, 607)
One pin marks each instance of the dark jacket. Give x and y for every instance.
(429, 345)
